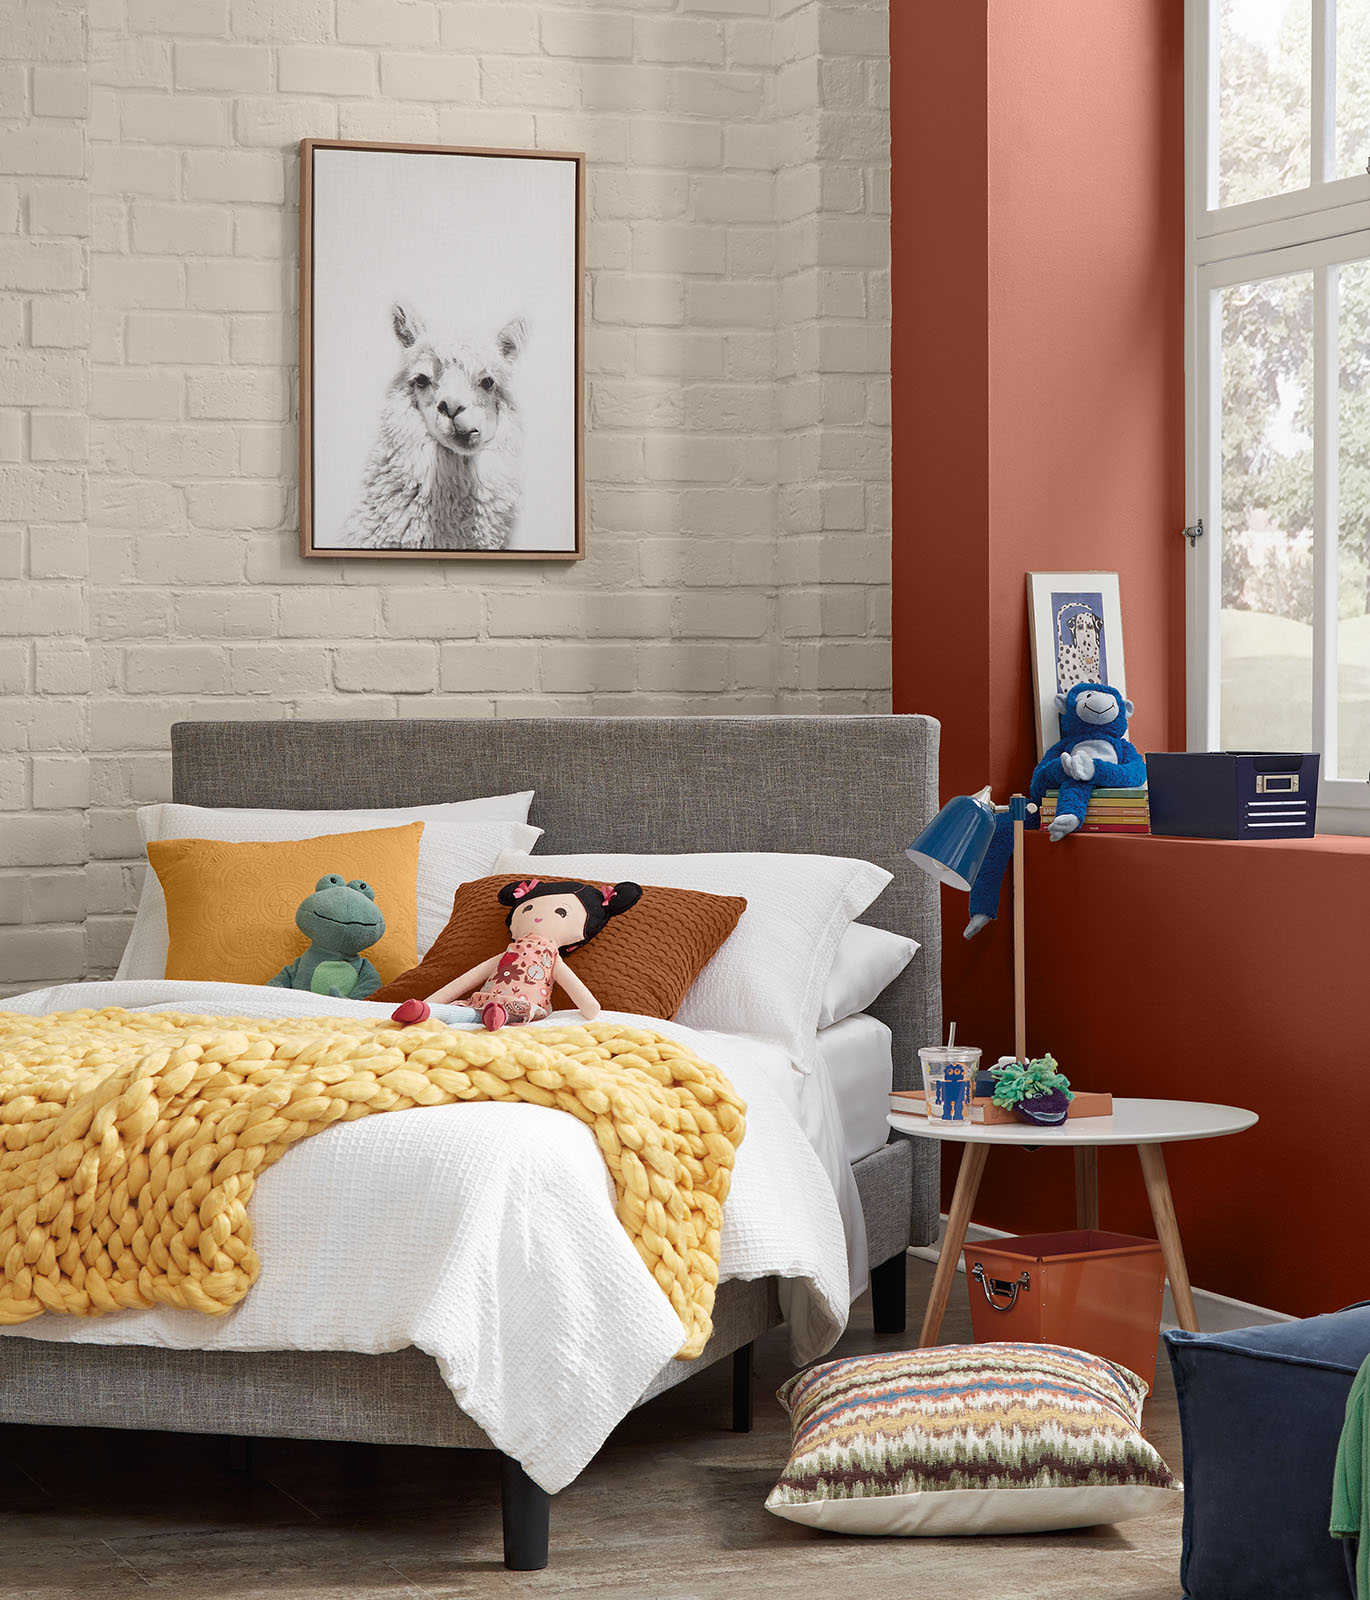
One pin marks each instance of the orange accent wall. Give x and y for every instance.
(1038, 256)
(939, 354)
(1236, 972)
(1086, 316)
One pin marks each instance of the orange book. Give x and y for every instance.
(914, 1103)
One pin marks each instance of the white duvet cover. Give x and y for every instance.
(485, 1235)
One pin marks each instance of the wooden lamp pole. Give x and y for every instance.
(1086, 1156)
(1018, 810)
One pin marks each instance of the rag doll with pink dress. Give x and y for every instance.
(545, 920)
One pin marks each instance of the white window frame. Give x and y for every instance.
(1312, 229)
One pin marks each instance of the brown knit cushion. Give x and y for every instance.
(643, 961)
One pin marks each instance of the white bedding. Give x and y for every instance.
(857, 1056)
(485, 1235)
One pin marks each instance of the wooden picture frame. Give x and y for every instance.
(1060, 651)
(463, 463)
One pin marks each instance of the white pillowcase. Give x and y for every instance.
(460, 840)
(767, 978)
(868, 961)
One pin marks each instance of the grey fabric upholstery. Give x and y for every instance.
(884, 1180)
(397, 1398)
(852, 786)
(743, 1311)
(838, 786)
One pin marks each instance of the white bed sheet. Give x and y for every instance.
(395, 1231)
(858, 1056)
(812, 1100)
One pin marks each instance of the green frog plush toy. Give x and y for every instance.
(339, 919)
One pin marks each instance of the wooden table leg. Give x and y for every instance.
(958, 1220)
(1168, 1232)
(1086, 1186)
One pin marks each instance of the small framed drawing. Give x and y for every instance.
(441, 352)
(1076, 623)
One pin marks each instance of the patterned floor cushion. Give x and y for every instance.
(962, 1439)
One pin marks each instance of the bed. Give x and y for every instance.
(847, 786)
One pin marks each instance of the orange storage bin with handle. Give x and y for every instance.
(1094, 1291)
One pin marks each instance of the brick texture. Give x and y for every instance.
(45, 397)
(737, 382)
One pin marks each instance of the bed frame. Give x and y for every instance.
(846, 786)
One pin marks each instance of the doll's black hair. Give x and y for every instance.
(601, 901)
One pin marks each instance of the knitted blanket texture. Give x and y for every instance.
(130, 1142)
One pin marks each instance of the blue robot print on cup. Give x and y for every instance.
(954, 1092)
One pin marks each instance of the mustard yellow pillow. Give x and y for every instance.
(230, 908)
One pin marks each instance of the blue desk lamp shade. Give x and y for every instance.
(952, 849)
(952, 846)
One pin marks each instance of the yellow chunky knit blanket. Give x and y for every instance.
(130, 1142)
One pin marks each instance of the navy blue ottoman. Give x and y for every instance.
(1261, 1410)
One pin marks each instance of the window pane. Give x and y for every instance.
(1265, 57)
(1267, 514)
(1353, 518)
(1353, 87)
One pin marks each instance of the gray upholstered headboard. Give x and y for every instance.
(842, 786)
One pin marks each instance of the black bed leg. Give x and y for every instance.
(742, 1389)
(888, 1291)
(237, 1453)
(526, 1511)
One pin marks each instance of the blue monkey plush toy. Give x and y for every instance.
(1092, 752)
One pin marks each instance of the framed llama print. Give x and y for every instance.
(441, 353)
(1076, 623)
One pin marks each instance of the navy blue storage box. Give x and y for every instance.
(1261, 1411)
(1233, 794)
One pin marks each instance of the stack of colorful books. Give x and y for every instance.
(1110, 811)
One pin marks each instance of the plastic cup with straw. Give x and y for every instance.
(949, 1097)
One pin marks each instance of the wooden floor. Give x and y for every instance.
(671, 1509)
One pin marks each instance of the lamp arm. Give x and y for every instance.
(952, 849)
(1019, 962)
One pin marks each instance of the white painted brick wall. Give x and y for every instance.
(737, 484)
(832, 365)
(45, 662)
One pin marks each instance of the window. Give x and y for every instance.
(1278, 375)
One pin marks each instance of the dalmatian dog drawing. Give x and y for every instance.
(1092, 753)
(1078, 657)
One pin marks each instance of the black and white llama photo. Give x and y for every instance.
(446, 470)
(441, 311)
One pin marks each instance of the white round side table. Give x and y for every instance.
(1148, 1124)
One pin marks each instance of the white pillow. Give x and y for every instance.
(460, 840)
(767, 978)
(868, 961)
